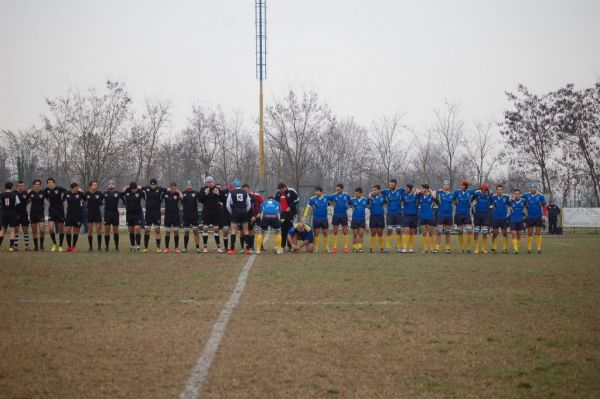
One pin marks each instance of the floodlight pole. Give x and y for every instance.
(261, 74)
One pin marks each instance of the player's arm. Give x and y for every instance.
(228, 202)
(248, 203)
(307, 210)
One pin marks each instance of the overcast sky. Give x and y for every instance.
(365, 58)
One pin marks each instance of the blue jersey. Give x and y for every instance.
(319, 205)
(393, 199)
(376, 205)
(445, 200)
(426, 206)
(500, 204)
(270, 208)
(517, 209)
(358, 208)
(305, 235)
(410, 203)
(463, 201)
(535, 204)
(483, 201)
(340, 203)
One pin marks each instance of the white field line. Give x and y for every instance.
(330, 303)
(195, 382)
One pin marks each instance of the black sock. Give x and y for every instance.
(68, 240)
(176, 240)
(99, 241)
(90, 239)
(1, 239)
(146, 239)
(205, 239)
(106, 240)
(232, 241)
(132, 239)
(75, 237)
(186, 241)
(42, 242)
(35, 243)
(138, 239)
(225, 242)
(12, 243)
(116, 238)
(167, 240)
(61, 238)
(158, 243)
(53, 237)
(217, 240)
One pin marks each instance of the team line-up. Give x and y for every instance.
(225, 211)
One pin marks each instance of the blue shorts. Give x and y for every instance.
(461, 220)
(303, 236)
(534, 221)
(358, 224)
(320, 223)
(427, 222)
(336, 220)
(499, 223)
(516, 225)
(394, 220)
(444, 220)
(410, 221)
(481, 219)
(376, 222)
(271, 222)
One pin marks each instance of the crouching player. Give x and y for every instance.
(517, 214)
(270, 216)
(426, 200)
(359, 205)
(301, 236)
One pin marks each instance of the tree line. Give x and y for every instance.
(551, 138)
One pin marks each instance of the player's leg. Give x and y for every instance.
(334, 237)
(485, 228)
(74, 236)
(538, 238)
(293, 241)
(90, 236)
(25, 229)
(217, 237)
(205, 228)
(494, 236)
(244, 237)
(504, 232)
(175, 230)
(196, 232)
(476, 232)
(529, 236)
(61, 233)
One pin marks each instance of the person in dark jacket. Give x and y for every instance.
(553, 212)
(288, 201)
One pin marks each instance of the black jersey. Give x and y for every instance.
(133, 201)
(111, 201)
(55, 198)
(171, 203)
(238, 199)
(37, 200)
(74, 203)
(23, 199)
(190, 202)
(93, 202)
(10, 201)
(154, 197)
(211, 198)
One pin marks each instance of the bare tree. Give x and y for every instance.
(385, 138)
(449, 131)
(482, 152)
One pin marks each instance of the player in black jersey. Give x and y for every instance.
(93, 201)
(111, 215)
(238, 205)
(10, 202)
(210, 197)
(190, 216)
(37, 200)
(74, 199)
(56, 212)
(132, 198)
(154, 196)
(172, 199)
(22, 216)
(225, 215)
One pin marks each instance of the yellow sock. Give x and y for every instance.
(399, 240)
(447, 246)
(494, 243)
(425, 243)
(359, 245)
(388, 241)
(515, 244)
(404, 240)
(335, 240)
(380, 239)
(469, 241)
(484, 243)
(327, 241)
(316, 240)
(538, 241)
(504, 243)
(529, 240)
(437, 246)
(277, 241)
(259, 241)
(372, 242)
(345, 238)
(461, 241)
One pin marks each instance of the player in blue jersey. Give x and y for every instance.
(377, 217)
(393, 198)
(518, 207)
(318, 205)
(359, 205)
(270, 217)
(301, 236)
(410, 210)
(499, 218)
(426, 200)
(536, 216)
(482, 201)
(445, 198)
(462, 216)
(341, 202)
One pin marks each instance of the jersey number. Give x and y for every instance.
(6, 201)
(240, 197)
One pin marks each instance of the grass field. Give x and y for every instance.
(357, 325)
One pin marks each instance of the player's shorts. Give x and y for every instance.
(211, 217)
(271, 222)
(481, 219)
(172, 220)
(190, 220)
(94, 218)
(304, 236)
(444, 220)
(499, 223)
(239, 216)
(111, 218)
(337, 220)
(358, 224)
(427, 222)
(73, 221)
(56, 215)
(410, 221)
(462, 220)
(9, 218)
(151, 217)
(133, 219)
(22, 219)
(320, 223)
(516, 225)
(36, 218)
(394, 220)
(225, 218)
(535, 221)
(376, 222)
